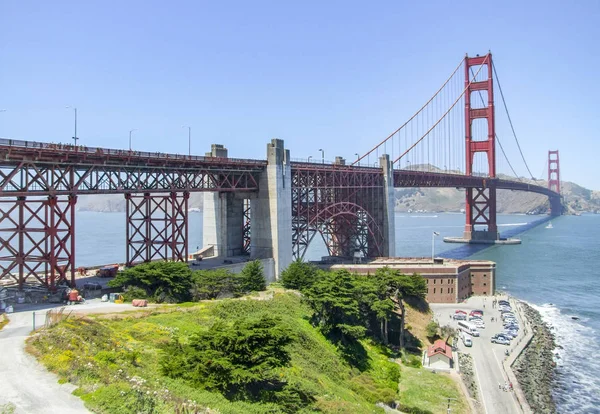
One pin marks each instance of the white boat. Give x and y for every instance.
(549, 226)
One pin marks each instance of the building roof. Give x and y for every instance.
(439, 347)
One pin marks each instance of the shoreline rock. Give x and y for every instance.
(535, 368)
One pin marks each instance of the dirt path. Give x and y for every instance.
(25, 385)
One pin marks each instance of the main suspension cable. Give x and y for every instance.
(443, 116)
(412, 117)
(510, 120)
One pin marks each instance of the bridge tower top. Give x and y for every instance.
(472, 84)
(553, 171)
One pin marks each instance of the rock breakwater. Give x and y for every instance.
(535, 367)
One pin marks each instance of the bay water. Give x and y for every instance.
(556, 270)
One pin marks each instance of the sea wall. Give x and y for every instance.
(535, 367)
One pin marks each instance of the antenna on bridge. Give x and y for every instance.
(553, 171)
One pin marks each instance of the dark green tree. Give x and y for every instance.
(252, 277)
(299, 275)
(336, 306)
(162, 281)
(210, 284)
(392, 288)
(238, 359)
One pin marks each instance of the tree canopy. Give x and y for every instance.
(162, 281)
(252, 277)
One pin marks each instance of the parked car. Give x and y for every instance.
(504, 336)
(503, 302)
(501, 341)
(467, 341)
(459, 316)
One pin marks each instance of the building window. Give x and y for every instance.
(484, 275)
(485, 284)
(434, 281)
(433, 290)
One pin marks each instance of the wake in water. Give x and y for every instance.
(578, 367)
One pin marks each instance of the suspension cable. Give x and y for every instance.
(412, 117)
(510, 120)
(443, 116)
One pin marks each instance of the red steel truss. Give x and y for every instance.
(481, 203)
(38, 240)
(33, 168)
(343, 204)
(553, 171)
(157, 227)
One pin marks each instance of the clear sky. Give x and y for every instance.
(337, 75)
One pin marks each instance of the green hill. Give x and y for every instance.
(114, 360)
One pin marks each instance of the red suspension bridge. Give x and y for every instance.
(271, 208)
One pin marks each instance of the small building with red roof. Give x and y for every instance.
(439, 355)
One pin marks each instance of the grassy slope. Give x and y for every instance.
(114, 361)
(422, 391)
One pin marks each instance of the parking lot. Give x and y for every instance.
(487, 356)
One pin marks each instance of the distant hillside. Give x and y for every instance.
(577, 199)
(113, 203)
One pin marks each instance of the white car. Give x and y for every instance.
(467, 341)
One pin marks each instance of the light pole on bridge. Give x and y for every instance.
(130, 131)
(309, 157)
(357, 158)
(322, 156)
(189, 139)
(75, 134)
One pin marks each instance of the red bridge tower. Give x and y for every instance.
(480, 202)
(553, 171)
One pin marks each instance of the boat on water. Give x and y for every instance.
(549, 226)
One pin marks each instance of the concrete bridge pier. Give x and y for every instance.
(223, 216)
(270, 213)
(271, 210)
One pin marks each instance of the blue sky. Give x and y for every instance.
(336, 75)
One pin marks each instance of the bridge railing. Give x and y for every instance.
(99, 151)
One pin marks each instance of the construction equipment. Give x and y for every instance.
(73, 297)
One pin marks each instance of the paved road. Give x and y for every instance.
(487, 356)
(26, 385)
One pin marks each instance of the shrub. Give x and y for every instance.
(431, 330)
(134, 292)
(299, 275)
(162, 281)
(210, 284)
(239, 360)
(252, 277)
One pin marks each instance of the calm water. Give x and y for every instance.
(556, 270)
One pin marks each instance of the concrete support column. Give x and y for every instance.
(223, 222)
(389, 217)
(223, 215)
(271, 211)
